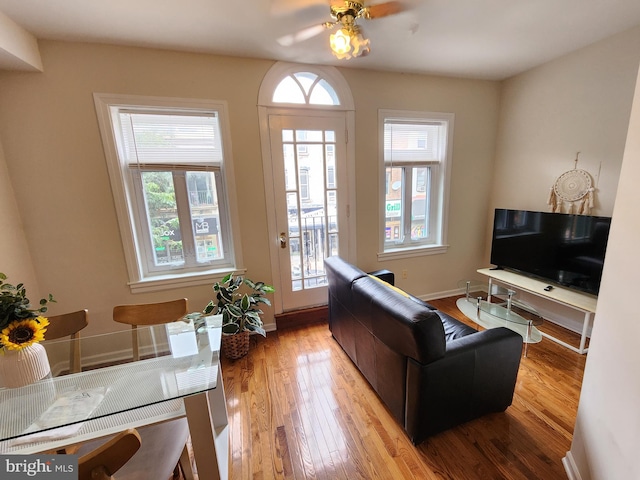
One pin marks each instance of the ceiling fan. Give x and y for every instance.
(347, 41)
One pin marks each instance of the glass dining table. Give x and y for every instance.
(178, 375)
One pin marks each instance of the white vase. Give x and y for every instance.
(23, 367)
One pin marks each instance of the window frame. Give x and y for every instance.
(439, 187)
(126, 196)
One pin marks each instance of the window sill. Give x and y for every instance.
(413, 252)
(168, 282)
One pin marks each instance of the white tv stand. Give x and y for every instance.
(579, 301)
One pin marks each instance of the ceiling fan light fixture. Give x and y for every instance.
(361, 46)
(348, 42)
(340, 43)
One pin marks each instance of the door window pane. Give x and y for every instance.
(309, 136)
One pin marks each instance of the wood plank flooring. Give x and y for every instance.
(299, 409)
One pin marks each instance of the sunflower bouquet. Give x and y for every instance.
(20, 324)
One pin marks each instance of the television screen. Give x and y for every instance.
(564, 249)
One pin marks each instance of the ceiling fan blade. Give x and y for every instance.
(288, 7)
(384, 9)
(302, 35)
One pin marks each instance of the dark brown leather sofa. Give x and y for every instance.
(430, 370)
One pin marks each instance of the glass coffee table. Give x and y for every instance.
(508, 313)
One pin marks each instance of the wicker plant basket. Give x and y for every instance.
(235, 346)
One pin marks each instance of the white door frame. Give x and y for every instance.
(267, 107)
(267, 161)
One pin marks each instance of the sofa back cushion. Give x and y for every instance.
(341, 275)
(405, 326)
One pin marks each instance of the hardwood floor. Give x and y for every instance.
(298, 408)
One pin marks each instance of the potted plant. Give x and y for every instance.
(22, 359)
(238, 300)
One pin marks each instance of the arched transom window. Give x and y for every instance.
(292, 85)
(305, 88)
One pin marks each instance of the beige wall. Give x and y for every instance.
(54, 154)
(607, 434)
(474, 104)
(15, 258)
(577, 103)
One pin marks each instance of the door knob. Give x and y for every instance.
(283, 240)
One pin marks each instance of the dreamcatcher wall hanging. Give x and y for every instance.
(572, 192)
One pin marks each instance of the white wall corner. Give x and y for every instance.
(18, 47)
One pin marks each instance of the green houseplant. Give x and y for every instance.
(238, 300)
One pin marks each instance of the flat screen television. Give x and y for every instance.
(564, 249)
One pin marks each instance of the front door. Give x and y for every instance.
(309, 173)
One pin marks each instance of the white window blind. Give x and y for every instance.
(168, 139)
(411, 141)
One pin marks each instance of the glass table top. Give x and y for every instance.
(503, 306)
(177, 360)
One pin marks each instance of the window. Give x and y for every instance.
(416, 157)
(305, 88)
(169, 162)
(304, 184)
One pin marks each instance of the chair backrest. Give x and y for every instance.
(103, 462)
(69, 325)
(149, 314)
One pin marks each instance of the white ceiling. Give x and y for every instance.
(491, 39)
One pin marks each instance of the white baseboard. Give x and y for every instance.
(444, 294)
(570, 467)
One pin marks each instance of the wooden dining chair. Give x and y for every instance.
(69, 325)
(160, 454)
(105, 460)
(177, 430)
(149, 314)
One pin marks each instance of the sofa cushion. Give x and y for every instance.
(405, 326)
(419, 301)
(454, 329)
(340, 276)
(388, 285)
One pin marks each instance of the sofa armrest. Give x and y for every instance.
(385, 275)
(476, 376)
